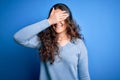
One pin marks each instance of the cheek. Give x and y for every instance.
(65, 27)
(63, 22)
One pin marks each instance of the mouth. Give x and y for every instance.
(58, 26)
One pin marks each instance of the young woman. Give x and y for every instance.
(63, 55)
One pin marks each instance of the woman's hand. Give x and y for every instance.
(57, 16)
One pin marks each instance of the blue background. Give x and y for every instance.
(99, 21)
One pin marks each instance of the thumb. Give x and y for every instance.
(53, 11)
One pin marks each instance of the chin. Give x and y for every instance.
(58, 32)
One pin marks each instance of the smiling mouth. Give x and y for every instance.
(58, 26)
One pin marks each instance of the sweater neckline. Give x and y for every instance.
(64, 45)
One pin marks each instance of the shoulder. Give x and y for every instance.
(80, 45)
(78, 41)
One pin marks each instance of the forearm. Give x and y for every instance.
(83, 62)
(83, 70)
(29, 31)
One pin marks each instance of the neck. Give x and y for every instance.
(63, 36)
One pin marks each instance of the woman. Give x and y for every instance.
(63, 55)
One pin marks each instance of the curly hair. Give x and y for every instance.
(48, 37)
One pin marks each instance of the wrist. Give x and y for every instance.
(50, 21)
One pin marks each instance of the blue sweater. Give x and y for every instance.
(73, 64)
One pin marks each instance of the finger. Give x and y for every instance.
(62, 12)
(62, 18)
(64, 15)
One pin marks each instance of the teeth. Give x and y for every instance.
(58, 27)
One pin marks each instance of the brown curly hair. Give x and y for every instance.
(48, 37)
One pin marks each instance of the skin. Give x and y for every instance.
(57, 18)
(60, 27)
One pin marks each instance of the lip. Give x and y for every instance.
(58, 27)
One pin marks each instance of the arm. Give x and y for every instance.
(83, 63)
(28, 35)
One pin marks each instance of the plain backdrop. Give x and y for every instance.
(99, 21)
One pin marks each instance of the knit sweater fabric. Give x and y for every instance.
(72, 62)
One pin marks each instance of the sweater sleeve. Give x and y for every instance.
(83, 63)
(27, 36)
